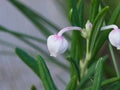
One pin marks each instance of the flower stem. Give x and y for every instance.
(87, 58)
(114, 60)
(68, 29)
(109, 27)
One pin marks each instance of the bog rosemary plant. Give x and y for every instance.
(93, 23)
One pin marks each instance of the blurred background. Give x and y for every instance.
(14, 74)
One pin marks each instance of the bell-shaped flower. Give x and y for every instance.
(57, 44)
(114, 38)
(114, 35)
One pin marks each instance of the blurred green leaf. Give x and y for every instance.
(106, 83)
(45, 75)
(114, 10)
(94, 9)
(114, 60)
(98, 74)
(87, 77)
(72, 85)
(114, 86)
(110, 81)
(51, 59)
(31, 15)
(98, 22)
(7, 44)
(18, 34)
(77, 20)
(28, 60)
(75, 66)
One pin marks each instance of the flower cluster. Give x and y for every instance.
(57, 44)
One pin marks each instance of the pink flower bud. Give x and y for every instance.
(56, 45)
(114, 38)
(88, 25)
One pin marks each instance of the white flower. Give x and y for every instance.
(56, 45)
(114, 38)
(114, 35)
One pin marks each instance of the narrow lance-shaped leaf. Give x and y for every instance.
(106, 82)
(110, 81)
(72, 85)
(97, 27)
(18, 34)
(98, 74)
(87, 76)
(80, 50)
(115, 14)
(45, 75)
(94, 9)
(28, 60)
(74, 67)
(77, 40)
(53, 60)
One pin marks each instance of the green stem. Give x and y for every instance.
(114, 60)
(87, 47)
(85, 63)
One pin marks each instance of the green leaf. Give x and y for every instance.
(28, 60)
(74, 66)
(97, 27)
(72, 84)
(45, 75)
(94, 9)
(114, 86)
(99, 43)
(114, 60)
(77, 19)
(115, 14)
(106, 83)
(18, 34)
(51, 59)
(86, 78)
(110, 81)
(98, 74)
